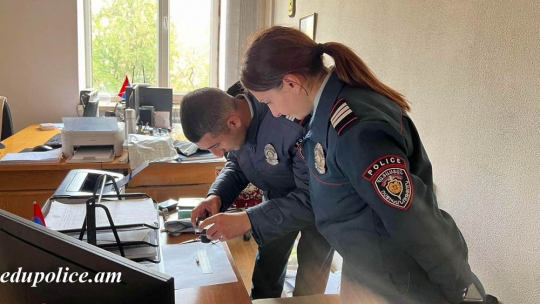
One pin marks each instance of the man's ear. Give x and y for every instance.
(234, 122)
(293, 82)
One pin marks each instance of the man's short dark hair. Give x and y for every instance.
(205, 111)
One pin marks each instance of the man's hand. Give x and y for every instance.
(226, 226)
(210, 206)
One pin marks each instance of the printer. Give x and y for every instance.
(92, 139)
(79, 184)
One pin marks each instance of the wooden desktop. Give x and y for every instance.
(21, 184)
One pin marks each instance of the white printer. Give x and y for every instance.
(92, 139)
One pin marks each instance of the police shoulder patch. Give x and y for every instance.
(391, 180)
(341, 115)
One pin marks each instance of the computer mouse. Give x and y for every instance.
(42, 148)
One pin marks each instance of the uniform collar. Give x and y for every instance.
(318, 95)
(321, 117)
(256, 110)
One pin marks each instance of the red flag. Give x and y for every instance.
(123, 88)
(38, 216)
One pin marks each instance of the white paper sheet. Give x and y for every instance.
(71, 216)
(180, 263)
(34, 157)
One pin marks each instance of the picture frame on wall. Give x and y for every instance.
(308, 25)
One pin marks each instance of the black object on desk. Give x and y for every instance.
(55, 141)
(42, 148)
(169, 204)
(146, 115)
(89, 222)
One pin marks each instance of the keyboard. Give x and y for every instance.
(55, 141)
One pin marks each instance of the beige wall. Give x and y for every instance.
(471, 70)
(38, 59)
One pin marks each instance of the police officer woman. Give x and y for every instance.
(371, 182)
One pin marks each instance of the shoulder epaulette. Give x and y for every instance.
(341, 115)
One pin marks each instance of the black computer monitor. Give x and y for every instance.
(35, 249)
(91, 108)
(133, 98)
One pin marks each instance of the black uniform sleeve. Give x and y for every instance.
(229, 183)
(374, 157)
(278, 217)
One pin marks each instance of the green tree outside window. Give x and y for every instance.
(124, 41)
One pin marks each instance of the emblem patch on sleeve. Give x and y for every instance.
(391, 180)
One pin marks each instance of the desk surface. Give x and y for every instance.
(21, 184)
(221, 293)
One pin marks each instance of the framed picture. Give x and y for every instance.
(308, 24)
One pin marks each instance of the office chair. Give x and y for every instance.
(6, 123)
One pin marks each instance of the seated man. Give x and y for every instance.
(260, 149)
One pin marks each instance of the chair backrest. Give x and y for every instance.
(6, 123)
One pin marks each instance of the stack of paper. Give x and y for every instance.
(52, 156)
(71, 216)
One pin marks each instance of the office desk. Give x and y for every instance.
(21, 184)
(221, 293)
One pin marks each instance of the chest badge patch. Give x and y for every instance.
(320, 161)
(270, 154)
(391, 180)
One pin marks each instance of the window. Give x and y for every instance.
(167, 43)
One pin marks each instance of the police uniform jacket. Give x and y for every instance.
(268, 159)
(372, 195)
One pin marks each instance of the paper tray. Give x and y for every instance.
(100, 154)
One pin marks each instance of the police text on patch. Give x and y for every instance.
(380, 163)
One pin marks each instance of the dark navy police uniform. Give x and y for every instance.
(372, 195)
(268, 159)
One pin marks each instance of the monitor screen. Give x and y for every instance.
(39, 265)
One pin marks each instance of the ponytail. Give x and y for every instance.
(353, 71)
(278, 51)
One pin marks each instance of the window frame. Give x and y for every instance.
(163, 46)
